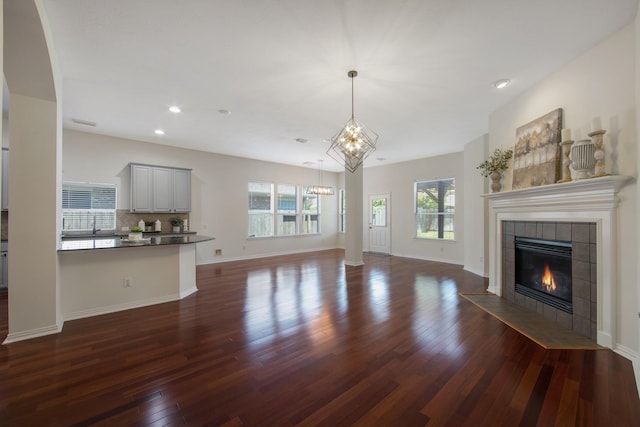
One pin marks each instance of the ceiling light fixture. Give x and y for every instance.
(302, 140)
(83, 122)
(159, 132)
(175, 109)
(501, 84)
(354, 142)
(320, 190)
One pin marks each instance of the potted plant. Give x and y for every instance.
(497, 163)
(148, 225)
(176, 223)
(135, 234)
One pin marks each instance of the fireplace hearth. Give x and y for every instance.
(543, 271)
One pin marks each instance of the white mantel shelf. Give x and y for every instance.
(569, 195)
(591, 200)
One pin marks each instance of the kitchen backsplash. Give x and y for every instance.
(124, 218)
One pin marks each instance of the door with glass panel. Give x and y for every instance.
(379, 225)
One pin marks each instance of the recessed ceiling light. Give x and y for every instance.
(159, 132)
(307, 163)
(83, 122)
(223, 111)
(302, 140)
(380, 159)
(501, 84)
(175, 109)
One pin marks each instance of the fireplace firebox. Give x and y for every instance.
(543, 271)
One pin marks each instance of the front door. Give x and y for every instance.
(379, 228)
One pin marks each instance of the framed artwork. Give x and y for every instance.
(536, 156)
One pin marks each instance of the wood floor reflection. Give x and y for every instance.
(302, 340)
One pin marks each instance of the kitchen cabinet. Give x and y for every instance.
(160, 189)
(5, 179)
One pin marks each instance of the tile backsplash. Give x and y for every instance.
(124, 218)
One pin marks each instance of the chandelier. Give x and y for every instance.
(354, 142)
(320, 190)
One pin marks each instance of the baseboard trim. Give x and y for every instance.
(121, 307)
(32, 333)
(476, 272)
(634, 357)
(258, 256)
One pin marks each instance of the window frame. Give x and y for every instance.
(84, 219)
(342, 211)
(307, 222)
(445, 210)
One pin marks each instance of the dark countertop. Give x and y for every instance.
(77, 244)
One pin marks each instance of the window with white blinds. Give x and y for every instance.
(88, 207)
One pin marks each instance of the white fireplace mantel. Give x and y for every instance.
(587, 200)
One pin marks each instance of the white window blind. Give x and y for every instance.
(88, 207)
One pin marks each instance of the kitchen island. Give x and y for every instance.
(104, 275)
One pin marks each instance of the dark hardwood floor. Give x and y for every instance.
(302, 340)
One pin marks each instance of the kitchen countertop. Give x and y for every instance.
(76, 244)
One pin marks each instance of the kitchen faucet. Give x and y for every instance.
(94, 225)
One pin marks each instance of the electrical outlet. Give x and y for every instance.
(125, 229)
(218, 252)
(126, 282)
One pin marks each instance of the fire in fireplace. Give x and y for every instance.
(543, 271)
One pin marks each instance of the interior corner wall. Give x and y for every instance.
(33, 292)
(601, 83)
(476, 224)
(398, 180)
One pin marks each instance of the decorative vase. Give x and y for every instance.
(496, 185)
(176, 228)
(135, 236)
(582, 158)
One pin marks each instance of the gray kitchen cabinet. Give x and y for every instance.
(160, 189)
(141, 187)
(181, 190)
(5, 179)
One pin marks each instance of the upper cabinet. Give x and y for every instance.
(160, 189)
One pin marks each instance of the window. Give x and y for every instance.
(293, 212)
(310, 213)
(88, 207)
(435, 209)
(287, 209)
(342, 211)
(260, 209)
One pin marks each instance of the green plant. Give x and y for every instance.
(149, 223)
(176, 222)
(136, 230)
(497, 162)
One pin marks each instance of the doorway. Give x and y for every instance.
(379, 224)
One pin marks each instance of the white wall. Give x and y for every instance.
(476, 242)
(599, 84)
(219, 191)
(398, 180)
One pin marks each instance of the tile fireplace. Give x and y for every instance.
(551, 267)
(581, 212)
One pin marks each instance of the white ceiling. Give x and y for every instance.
(280, 66)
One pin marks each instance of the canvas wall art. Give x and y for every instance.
(536, 156)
